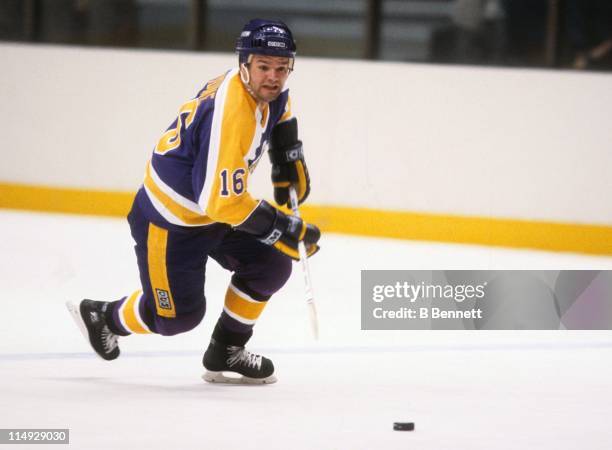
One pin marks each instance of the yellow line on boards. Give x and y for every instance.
(541, 235)
(65, 200)
(552, 236)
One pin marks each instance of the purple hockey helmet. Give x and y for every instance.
(265, 37)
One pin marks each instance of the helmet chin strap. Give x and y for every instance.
(245, 76)
(244, 73)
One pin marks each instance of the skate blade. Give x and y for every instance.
(75, 312)
(222, 378)
(76, 315)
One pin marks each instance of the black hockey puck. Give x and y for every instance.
(403, 426)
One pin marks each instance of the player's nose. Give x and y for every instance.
(273, 76)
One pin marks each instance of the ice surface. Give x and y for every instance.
(463, 390)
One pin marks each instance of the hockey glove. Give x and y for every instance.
(288, 165)
(287, 231)
(282, 231)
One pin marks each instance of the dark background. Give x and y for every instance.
(562, 34)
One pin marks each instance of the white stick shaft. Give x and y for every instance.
(305, 269)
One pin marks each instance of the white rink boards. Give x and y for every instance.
(463, 390)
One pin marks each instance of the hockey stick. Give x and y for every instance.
(312, 310)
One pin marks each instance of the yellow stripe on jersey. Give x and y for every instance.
(264, 115)
(229, 201)
(130, 316)
(183, 214)
(287, 114)
(157, 242)
(242, 307)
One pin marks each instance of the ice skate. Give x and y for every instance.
(89, 315)
(236, 365)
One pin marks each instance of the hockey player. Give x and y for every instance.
(194, 203)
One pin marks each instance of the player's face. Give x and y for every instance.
(267, 76)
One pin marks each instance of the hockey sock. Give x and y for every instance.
(126, 316)
(241, 310)
(226, 336)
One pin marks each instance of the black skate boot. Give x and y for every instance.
(219, 358)
(90, 316)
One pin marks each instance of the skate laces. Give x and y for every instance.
(241, 356)
(109, 339)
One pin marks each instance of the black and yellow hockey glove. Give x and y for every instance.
(287, 231)
(288, 165)
(273, 227)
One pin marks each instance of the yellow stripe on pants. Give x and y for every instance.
(158, 274)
